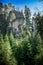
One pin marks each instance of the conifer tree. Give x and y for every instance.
(1, 50)
(39, 55)
(13, 47)
(7, 51)
(27, 16)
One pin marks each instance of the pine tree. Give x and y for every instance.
(13, 47)
(39, 55)
(6, 55)
(1, 50)
(27, 16)
(12, 40)
(27, 52)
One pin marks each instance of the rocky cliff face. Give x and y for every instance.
(14, 18)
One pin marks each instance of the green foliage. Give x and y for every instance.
(12, 40)
(27, 16)
(3, 24)
(6, 52)
(38, 18)
(39, 55)
(19, 55)
(1, 49)
(27, 50)
(13, 47)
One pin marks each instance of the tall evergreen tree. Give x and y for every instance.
(1, 50)
(13, 47)
(7, 51)
(38, 19)
(39, 55)
(27, 16)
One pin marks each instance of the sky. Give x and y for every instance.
(34, 5)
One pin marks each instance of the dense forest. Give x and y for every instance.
(26, 50)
